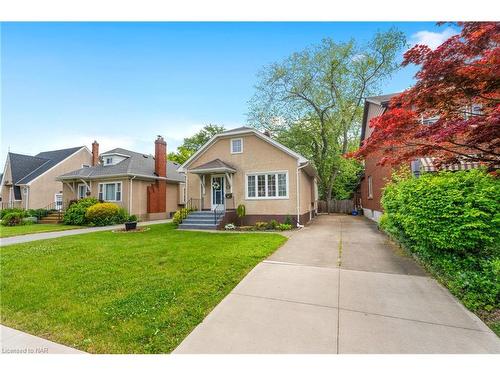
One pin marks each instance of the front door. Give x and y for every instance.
(58, 202)
(217, 191)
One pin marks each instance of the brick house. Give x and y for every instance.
(376, 177)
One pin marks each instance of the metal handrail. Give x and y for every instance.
(193, 204)
(218, 212)
(55, 207)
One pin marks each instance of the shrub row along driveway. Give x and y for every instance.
(339, 286)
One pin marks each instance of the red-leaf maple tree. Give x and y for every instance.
(459, 82)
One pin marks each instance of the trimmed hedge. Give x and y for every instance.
(102, 214)
(451, 222)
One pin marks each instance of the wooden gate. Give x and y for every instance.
(344, 206)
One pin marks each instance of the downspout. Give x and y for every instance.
(298, 194)
(130, 196)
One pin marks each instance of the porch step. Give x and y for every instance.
(52, 218)
(183, 225)
(200, 220)
(49, 221)
(195, 220)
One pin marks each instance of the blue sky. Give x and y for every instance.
(65, 84)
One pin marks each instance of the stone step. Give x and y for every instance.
(51, 218)
(194, 220)
(197, 226)
(203, 216)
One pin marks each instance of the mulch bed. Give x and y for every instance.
(137, 230)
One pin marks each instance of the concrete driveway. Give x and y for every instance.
(338, 286)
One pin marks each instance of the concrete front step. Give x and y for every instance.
(200, 220)
(197, 226)
(195, 220)
(201, 214)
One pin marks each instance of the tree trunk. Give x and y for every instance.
(329, 189)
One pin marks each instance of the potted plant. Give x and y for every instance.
(131, 223)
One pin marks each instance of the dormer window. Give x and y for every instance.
(108, 161)
(236, 145)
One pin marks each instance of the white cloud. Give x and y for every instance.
(431, 38)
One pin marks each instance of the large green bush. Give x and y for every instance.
(456, 211)
(451, 222)
(75, 214)
(13, 218)
(102, 214)
(6, 211)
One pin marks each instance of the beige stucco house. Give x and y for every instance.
(30, 181)
(145, 185)
(245, 166)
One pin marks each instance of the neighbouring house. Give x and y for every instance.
(147, 186)
(245, 166)
(30, 181)
(376, 176)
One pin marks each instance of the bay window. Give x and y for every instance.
(269, 185)
(110, 191)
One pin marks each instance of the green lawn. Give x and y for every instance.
(33, 228)
(108, 292)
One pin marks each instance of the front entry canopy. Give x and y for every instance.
(214, 166)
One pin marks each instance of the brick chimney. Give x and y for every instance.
(160, 157)
(95, 153)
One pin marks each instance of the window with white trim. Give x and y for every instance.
(236, 145)
(370, 188)
(108, 161)
(110, 191)
(269, 185)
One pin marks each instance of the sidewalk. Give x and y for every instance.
(17, 342)
(48, 235)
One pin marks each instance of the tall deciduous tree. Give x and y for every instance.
(312, 100)
(458, 83)
(192, 144)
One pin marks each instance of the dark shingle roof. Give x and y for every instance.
(382, 99)
(25, 168)
(214, 164)
(135, 164)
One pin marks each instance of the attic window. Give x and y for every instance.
(108, 161)
(236, 146)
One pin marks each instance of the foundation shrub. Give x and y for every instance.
(75, 214)
(101, 214)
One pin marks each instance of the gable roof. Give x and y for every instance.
(25, 168)
(135, 164)
(380, 100)
(241, 131)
